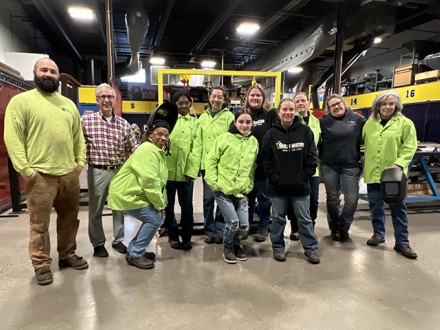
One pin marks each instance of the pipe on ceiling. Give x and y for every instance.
(56, 26)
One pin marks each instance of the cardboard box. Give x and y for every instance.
(432, 75)
(243, 91)
(233, 94)
(404, 75)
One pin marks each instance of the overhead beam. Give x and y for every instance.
(56, 26)
(211, 30)
(281, 16)
(163, 23)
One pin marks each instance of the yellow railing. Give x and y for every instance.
(251, 74)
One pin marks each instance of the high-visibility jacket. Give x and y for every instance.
(141, 180)
(231, 164)
(211, 127)
(394, 143)
(186, 149)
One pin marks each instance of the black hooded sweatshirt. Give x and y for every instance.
(289, 158)
(262, 123)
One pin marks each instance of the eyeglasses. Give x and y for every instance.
(183, 104)
(334, 105)
(103, 97)
(161, 134)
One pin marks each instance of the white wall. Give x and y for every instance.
(17, 35)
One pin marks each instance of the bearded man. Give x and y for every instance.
(45, 142)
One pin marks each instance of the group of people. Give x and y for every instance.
(257, 153)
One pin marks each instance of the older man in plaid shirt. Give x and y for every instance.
(107, 137)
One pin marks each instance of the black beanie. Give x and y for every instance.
(160, 123)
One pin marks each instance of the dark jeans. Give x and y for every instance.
(185, 195)
(314, 198)
(398, 215)
(213, 225)
(346, 178)
(260, 191)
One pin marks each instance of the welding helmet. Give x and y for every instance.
(393, 183)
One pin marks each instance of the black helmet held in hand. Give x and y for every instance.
(393, 185)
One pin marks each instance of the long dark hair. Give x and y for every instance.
(225, 95)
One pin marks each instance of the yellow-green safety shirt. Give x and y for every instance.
(44, 134)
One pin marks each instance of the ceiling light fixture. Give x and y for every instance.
(157, 60)
(295, 69)
(81, 13)
(377, 40)
(248, 28)
(208, 64)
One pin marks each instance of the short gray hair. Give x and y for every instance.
(375, 108)
(102, 86)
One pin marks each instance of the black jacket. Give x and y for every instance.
(340, 138)
(262, 123)
(289, 158)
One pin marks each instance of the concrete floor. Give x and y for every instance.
(354, 287)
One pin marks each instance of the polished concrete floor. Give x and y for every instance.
(354, 287)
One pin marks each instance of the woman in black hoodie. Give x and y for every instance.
(289, 159)
(264, 116)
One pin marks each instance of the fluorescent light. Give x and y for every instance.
(81, 13)
(208, 64)
(377, 40)
(157, 60)
(138, 77)
(248, 28)
(295, 69)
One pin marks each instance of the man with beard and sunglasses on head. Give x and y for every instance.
(45, 142)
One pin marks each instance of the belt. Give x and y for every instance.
(106, 167)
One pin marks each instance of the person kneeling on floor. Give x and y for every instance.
(139, 187)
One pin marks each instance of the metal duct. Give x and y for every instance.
(137, 23)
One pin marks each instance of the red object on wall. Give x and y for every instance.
(118, 101)
(6, 93)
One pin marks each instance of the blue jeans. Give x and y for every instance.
(185, 196)
(235, 213)
(212, 225)
(398, 214)
(260, 191)
(345, 177)
(151, 222)
(314, 200)
(300, 205)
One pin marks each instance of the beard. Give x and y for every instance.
(47, 84)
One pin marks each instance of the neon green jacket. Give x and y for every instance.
(316, 129)
(141, 180)
(231, 164)
(44, 134)
(396, 143)
(186, 149)
(211, 128)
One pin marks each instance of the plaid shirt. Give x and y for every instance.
(106, 142)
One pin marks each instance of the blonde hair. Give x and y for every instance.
(265, 105)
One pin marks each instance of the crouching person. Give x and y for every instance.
(289, 158)
(139, 190)
(230, 168)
